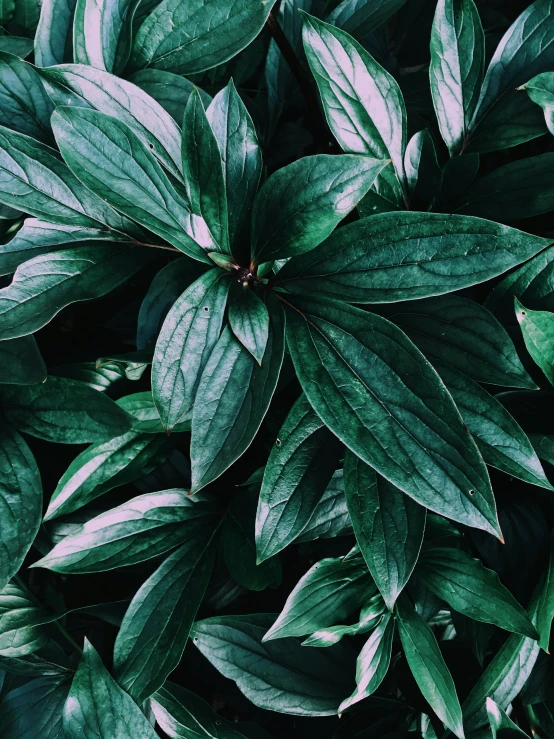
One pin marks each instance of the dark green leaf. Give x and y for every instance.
(170, 90)
(541, 91)
(188, 336)
(133, 364)
(21, 624)
(423, 174)
(330, 516)
(388, 525)
(370, 616)
(35, 709)
(360, 17)
(537, 327)
(428, 667)
(97, 31)
(499, 720)
(249, 320)
(235, 393)
(17, 45)
(299, 467)
(279, 675)
(53, 36)
(98, 378)
(24, 104)
(135, 531)
(349, 363)
(96, 706)
(146, 418)
(299, 205)
(392, 257)
(545, 611)
(20, 362)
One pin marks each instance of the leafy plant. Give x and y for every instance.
(259, 268)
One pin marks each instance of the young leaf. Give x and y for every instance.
(537, 327)
(184, 38)
(473, 590)
(330, 592)
(98, 29)
(392, 257)
(135, 531)
(279, 675)
(300, 204)
(348, 362)
(64, 411)
(110, 159)
(428, 667)
(189, 334)
(388, 525)
(53, 36)
(423, 174)
(35, 708)
(203, 172)
(21, 362)
(156, 626)
(464, 335)
(456, 71)
(21, 623)
(20, 501)
(240, 152)
(235, 393)
(97, 706)
(249, 320)
(300, 465)
(362, 102)
(373, 662)
(170, 90)
(42, 286)
(499, 720)
(24, 104)
(370, 616)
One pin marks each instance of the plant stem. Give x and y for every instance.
(158, 246)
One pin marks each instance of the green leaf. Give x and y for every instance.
(428, 667)
(360, 18)
(184, 38)
(34, 709)
(53, 36)
(465, 336)
(241, 156)
(97, 706)
(123, 100)
(156, 626)
(541, 91)
(329, 518)
(235, 393)
(300, 204)
(102, 467)
(456, 71)
(97, 31)
(300, 465)
(113, 161)
(24, 104)
(146, 418)
(362, 102)
(63, 411)
(21, 624)
(20, 501)
(188, 336)
(537, 327)
(21, 362)
(135, 531)
(203, 172)
(26, 14)
(279, 675)
(249, 320)
(545, 610)
(423, 174)
(17, 45)
(370, 616)
(504, 676)
(388, 525)
(373, 662)
(98, 378)
(499, 720)
(471, 589)
(133, 364)
(520, 189)
(170, 90)
(392, 257)
(46, 284)
(330, 592)
(239, 546)
(500, 439)
(7, 8)
(349, 362)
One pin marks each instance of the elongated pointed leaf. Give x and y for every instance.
(20, 501)
(330, 517)
(499, 720)
(188, 336)
(97, 31)
(21, 623)
(135, 531)
(64, 411)
(541, 91)
(473, 590)
(111, 160)
(428, 667)
(53, 36)
(423, 174)
(235, 393)
(299, 467)
(170, 90)
(44, 285)
(537, 327)
(545, 610)
(392, 257)
(457, 65)
(35, 709)
(98, 706)
(299, 205)
(155, 628)
(184, 37)
(349, 363)
(249, 320)
(388, 525)
(330, 592)
(20, 362)
(24, 105)
(361, 18)
(279, 675)
(241, 155)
